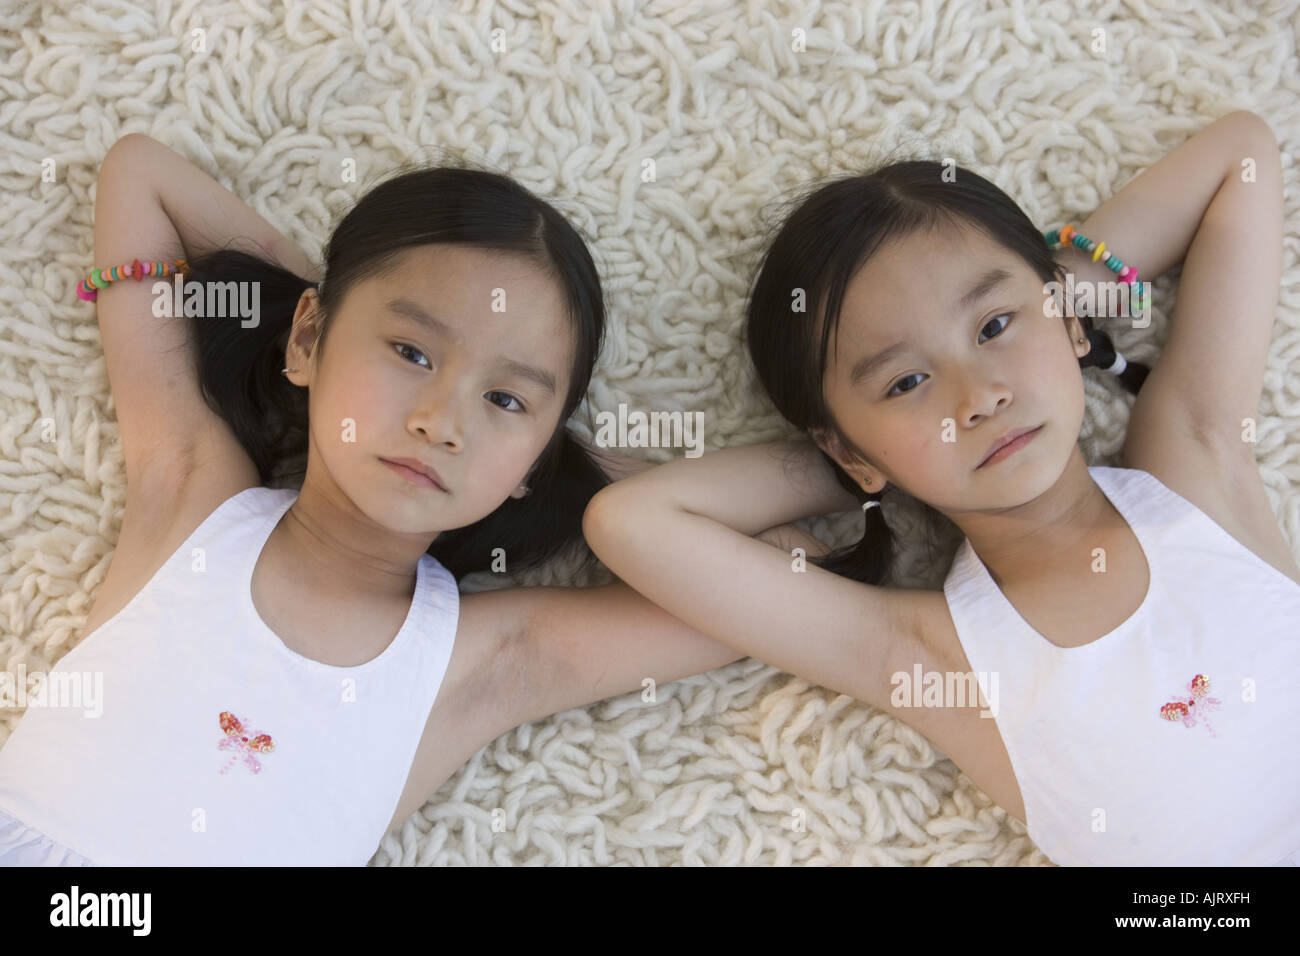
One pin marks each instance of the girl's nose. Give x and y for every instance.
(438, 417)
(981, 396)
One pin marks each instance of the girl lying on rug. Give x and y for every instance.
(1132, 630)
(286, 676)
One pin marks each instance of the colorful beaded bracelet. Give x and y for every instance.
(1069, 235)
(88, 288)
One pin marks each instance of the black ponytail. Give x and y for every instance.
(1103, 355)
(240, 367)
(871, 559)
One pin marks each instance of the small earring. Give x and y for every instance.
(285, 371)
(1080, 341)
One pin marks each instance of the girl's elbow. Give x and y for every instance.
(598, 516)
(1252, 127)
(614, 524)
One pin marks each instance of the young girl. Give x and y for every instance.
(1132, 629)
(288, 675)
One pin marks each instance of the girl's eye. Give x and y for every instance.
(512, 398)
(900, 382)
(402, 345)
(1005, 315)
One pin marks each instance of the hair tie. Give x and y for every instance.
(869, 504)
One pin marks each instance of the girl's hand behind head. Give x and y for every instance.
(787, 537)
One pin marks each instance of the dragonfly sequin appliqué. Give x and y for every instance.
(1193, 704)
(244, 742)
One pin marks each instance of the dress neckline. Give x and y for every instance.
(1102, 481)
(403, 635)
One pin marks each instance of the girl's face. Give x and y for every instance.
(474, 391)
(968, 372)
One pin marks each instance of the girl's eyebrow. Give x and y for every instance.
(985, 284)
(867, 366)
(411, 310)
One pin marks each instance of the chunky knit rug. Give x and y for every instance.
(571, 97)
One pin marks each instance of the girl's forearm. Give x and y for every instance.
(750, 489)
(1150, 223)
(784, 536)
(206, 215)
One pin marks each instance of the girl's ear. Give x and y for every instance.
(523, 490)
(1071, 319)
(826, 441)
(1076, 331)
(830, 442)
(302, 337)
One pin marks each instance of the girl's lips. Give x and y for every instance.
(411, 475)
(1010, 448)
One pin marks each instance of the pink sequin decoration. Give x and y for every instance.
(1193, 704)
(245, 743)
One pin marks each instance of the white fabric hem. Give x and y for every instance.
(21, 845)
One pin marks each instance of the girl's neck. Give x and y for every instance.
(1055, 532)
(335, 548)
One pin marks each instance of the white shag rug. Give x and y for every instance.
(582, 93)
